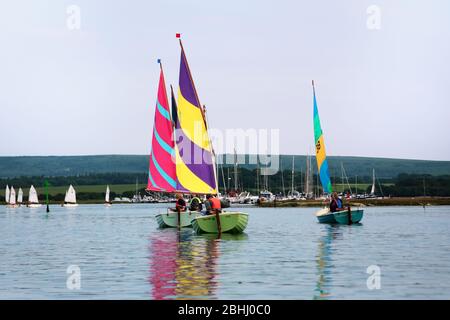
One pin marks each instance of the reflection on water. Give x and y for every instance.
(183, 265)
(286, 255)
(324, 260)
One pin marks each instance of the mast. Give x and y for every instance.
(282, 179)
(292, 182)
(223, 180)
(257, 177)
(235, 172)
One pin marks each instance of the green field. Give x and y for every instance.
(118, 189)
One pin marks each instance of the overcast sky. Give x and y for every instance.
(381, 92)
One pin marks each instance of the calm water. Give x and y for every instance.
(285, 254)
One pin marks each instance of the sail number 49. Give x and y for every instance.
(246, 309)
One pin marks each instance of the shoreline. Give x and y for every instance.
(394, 201)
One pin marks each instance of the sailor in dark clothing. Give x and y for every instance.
(180, 204)
(335, 203)
(196, 204)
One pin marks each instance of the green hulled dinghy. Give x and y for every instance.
(342, 217)
(325, 216)
(349, 216)
(170, 219)
(230, 222)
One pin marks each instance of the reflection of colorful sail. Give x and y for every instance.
(183, 267)
(322, 163)
(324, 264)
(163, 265)
(162, 172)
(194, 153)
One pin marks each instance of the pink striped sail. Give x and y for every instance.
(162, 171)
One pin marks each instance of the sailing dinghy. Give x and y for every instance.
(33, 201)
(12, 199)
(187, 166)
(162, 176)
(107, 201)
(194, 175)
(20, 197)
(70, 200)
(7, 194)
(347, 216)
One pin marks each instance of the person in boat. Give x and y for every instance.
(180, 204)
(208, 207)
(335, 203)
(212, 204)
(216, 205)
(196, 204)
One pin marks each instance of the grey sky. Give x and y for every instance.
(92, 91)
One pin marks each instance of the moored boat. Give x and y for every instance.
(230, 222)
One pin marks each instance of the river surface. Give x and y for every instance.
(95, 252)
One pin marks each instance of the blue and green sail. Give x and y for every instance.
(321, 157)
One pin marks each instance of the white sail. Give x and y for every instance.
(372, 191)
(20, 196)
(71, 196)
(107, 194)
(7, 193)
(32, 195)
(12, 196)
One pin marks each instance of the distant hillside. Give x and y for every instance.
(82, 165)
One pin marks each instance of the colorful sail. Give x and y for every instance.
(162, 172)
(322, 163)
(195, 166)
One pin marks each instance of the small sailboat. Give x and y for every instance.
(12, 199)
(7, 194)
(187, 166)
(195, 176)
(107, 201)
(162, 164)
(348, 216)
(70, 200)
(20, 197)
(33, 201)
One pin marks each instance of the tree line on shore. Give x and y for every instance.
(406, 185)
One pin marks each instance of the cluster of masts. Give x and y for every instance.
(237, 196)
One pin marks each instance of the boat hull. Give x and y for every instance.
(325, 216)
(70, 205)
(34, 205)
(230, 222)
(342, 217)
(170, 219)
(328, 218)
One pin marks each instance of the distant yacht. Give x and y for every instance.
(107, 201)
(20, 197)
(7, 194)
(12, 199)
(33, 201)
(70, 200)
